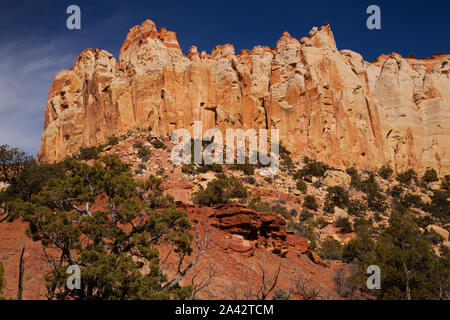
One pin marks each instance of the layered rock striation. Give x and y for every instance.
(328, 104)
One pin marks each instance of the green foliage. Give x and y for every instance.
(114, 246)
(311, 168)
(310, 203)
(356, 178)
(321, 222)
(221, 191)
(409, 267)
(259, 206)
(338, 196)
(407, 176)
(90, 153)
(359, 247)
(156, 143)
(331, 249)
(345, 225)
(445, 183)
(396, 191)
(113, 140)
(411, 55)
(214, 167)
(430, 175)
(440, 205)
(305, 215)
(144, 153)
(356, 208)
(301, 186)
(385, 172)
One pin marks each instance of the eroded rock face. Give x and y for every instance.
(328, 104)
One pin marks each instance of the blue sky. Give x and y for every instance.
(35, 43)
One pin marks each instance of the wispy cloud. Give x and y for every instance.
(27, 68)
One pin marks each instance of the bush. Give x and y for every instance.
(411, 55)
(221, 191)
(321, 222)
(412, 199)
(157, 144)
(311, 168)
(385, 172)
(445, 183)
(305, 215)
(138, 145)
(250, 180)
(301, 186)
(328, 206)
(310, 203)
(331, 249)
(112, 141)
(356, 208)
(407, 176)
(357, 248)
(247, 168)
(281, 294)
(356, 178)
(338, 196)
(143, 152)
(396, 191)
(214, 167)
(345, 225)
(430, 176)
(89, 153)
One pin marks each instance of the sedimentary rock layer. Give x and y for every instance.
(328, 104)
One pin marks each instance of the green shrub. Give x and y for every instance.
(412, 199)
(445, 183)
(112, 141)
(385, 172)
(338, 196)
(328, 206)
(310, 203)
(321, 222)
(311, 168)
(305, 215)
(430, 175)
(356, 208)
(396, 191)
(220, 191)
(407, 176)
(143, 152)
(331, 249)
(89, 153)
(257, 205)
(247, 168)
(138, 145)
(358, 248)
(345, 225)
(214, 167)
(356, 178)
(301, 186)
(157, 144)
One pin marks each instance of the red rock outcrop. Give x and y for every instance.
(328, 104)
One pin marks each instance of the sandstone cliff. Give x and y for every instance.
(328, 104)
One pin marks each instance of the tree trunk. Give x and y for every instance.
(21, 267)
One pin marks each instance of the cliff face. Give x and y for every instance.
(328, 104)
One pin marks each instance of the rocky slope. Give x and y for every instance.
(328, 104)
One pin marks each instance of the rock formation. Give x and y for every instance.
(328, 104)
